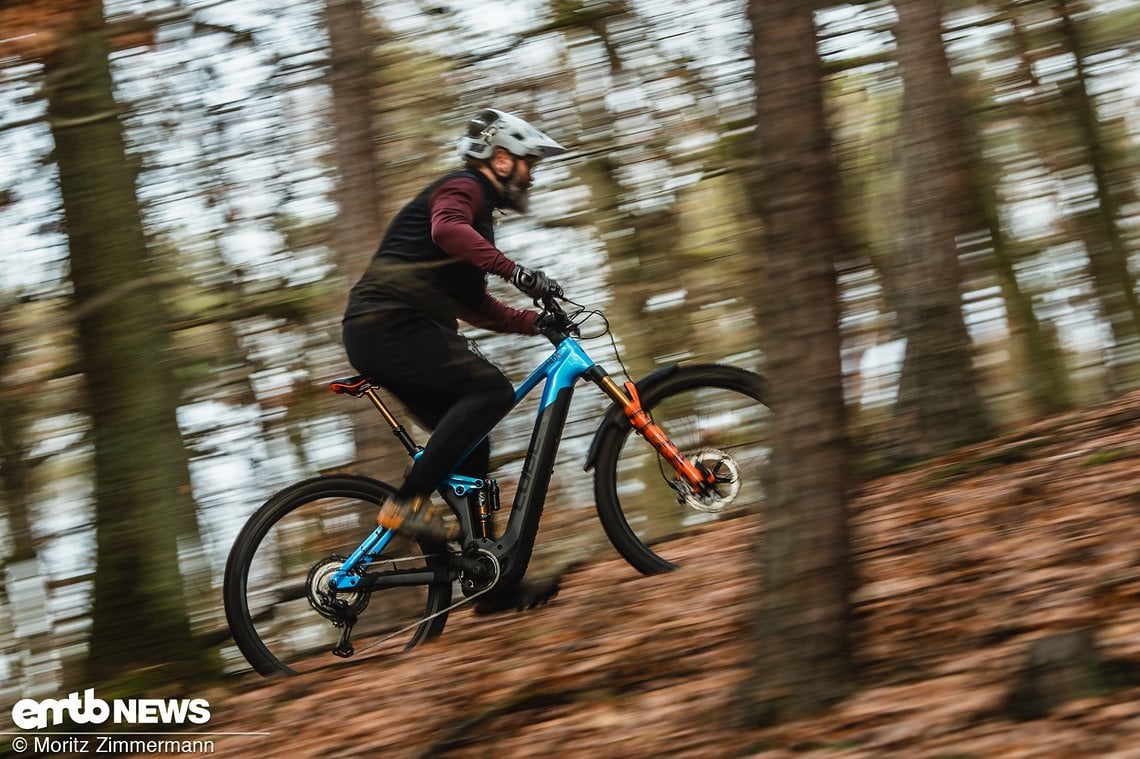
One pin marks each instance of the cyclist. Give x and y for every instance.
(401, 323)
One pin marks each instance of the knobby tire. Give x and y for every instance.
(269, 614)
(698, 407)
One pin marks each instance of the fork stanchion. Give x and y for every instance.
(643, 423)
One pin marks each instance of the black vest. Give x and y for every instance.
(409, 266)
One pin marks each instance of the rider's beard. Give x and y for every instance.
(516, 196)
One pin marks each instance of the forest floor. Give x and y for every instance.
(963, 566)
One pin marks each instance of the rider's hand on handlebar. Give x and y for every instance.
(535, 283)
(556, 322)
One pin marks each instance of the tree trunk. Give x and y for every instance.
(1050, 124)
(1046, 377)
(358, 228)
(938, 397)
(23, 589)
(15, 474)
(802, 660)
(139, 617)
(357, 231)
(1108, 251)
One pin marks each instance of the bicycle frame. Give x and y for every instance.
(558, 375)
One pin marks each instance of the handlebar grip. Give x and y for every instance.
(549, 301)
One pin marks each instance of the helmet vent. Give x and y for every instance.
(479, 124)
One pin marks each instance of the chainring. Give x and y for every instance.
(472, 586)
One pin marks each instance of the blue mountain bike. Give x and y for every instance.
(311, 580)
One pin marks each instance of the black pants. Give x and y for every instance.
(455, 393)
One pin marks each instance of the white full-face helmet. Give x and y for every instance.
(491, 129)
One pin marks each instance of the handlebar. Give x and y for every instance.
(549, 302)
(554, 323)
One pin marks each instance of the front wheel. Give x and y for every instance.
(717, 416)
(278, 570)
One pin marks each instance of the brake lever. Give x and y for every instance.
(549, 302)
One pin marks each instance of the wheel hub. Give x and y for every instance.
(726, 487)
(336, 606)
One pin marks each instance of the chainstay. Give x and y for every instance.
(461, 602)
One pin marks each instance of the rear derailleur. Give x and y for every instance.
(342, 609)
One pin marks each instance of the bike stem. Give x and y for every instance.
(639, 419)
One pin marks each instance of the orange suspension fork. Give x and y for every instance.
(640, 420)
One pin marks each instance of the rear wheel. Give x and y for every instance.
(277, 605)
(717, 417)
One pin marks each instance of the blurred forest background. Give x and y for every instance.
(226, 168)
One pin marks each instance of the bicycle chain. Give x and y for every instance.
(441, 612)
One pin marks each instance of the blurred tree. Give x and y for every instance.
(358, 196)
(140, 632)
(1107, 250)
(639, 247)
(23, 587)
(939, 399)
(1045, 379)
(802, 645)
(15, 467)
(673, 248)
(1071, 143)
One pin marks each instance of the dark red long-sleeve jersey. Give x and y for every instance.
(436, 255)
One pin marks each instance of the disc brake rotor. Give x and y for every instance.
(727, 473)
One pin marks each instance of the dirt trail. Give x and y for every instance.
(961, 566)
